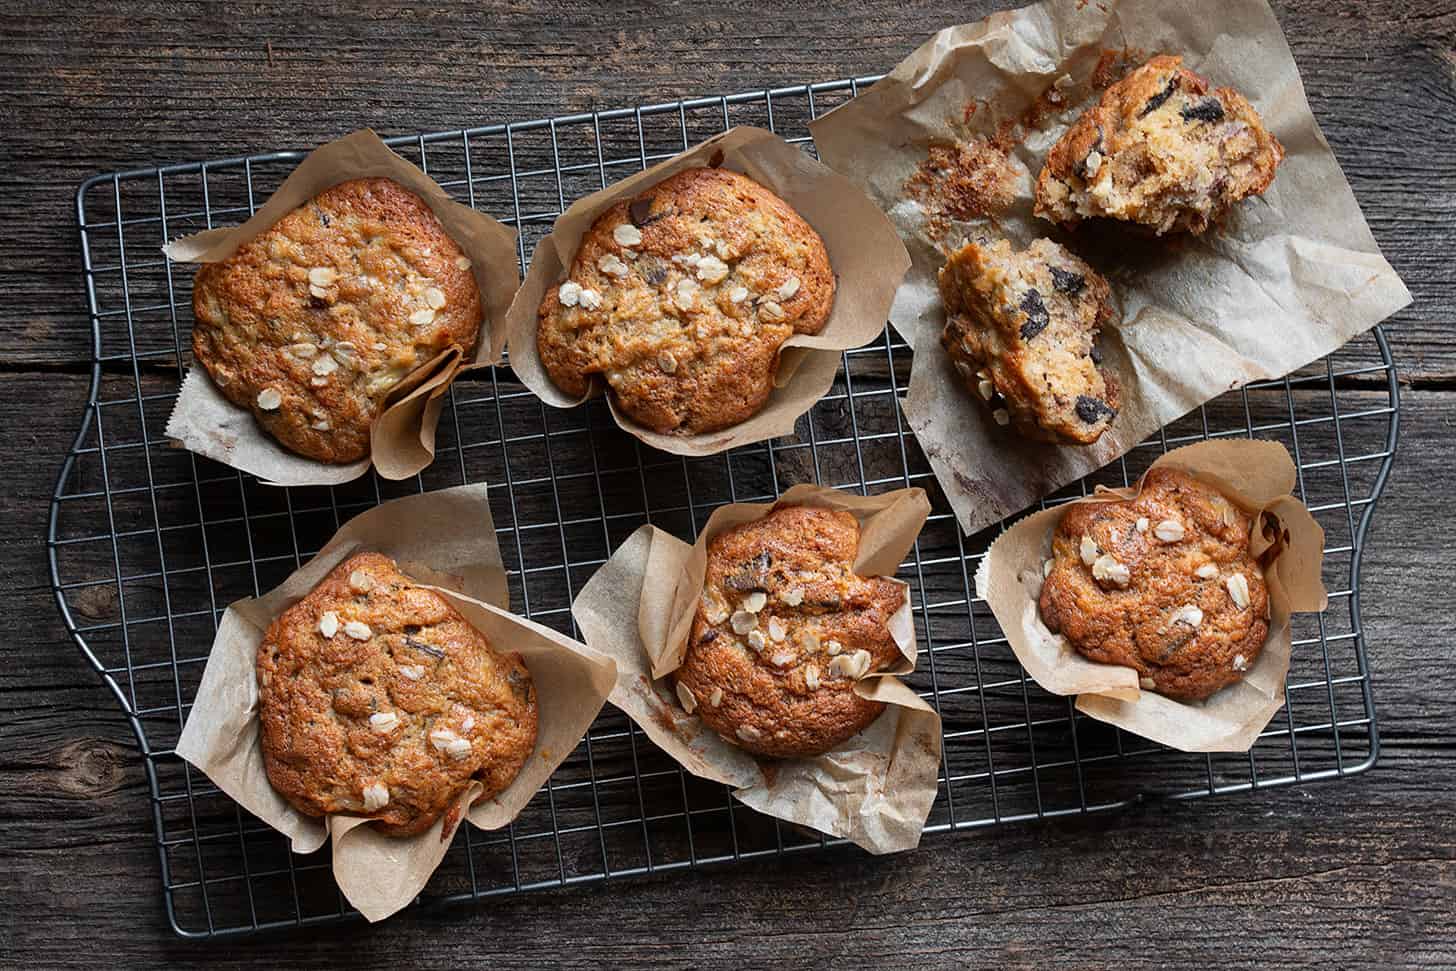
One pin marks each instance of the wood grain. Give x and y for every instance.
(1355, 873)
(115, 86)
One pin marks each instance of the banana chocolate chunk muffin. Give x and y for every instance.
(1160, 150)
(313, 322)
(784, 629)
(378, 699)
(681, 298)
(1163, 583)
(1021, 330)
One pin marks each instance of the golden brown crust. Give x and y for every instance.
(1161, 151)
(1021, 328)
(1190, 611)
(681, 298)
(779, 681)
(414, 701)
(329, 309)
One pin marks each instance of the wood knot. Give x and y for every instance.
(91, 767)
(96, 602)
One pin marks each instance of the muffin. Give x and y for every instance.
(1021, 330)
(1161, 151)
(312, 323)
(1163, 583)
(784, 629)
(681, 298)
(377, 699)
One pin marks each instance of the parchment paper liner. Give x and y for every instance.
(1255, 475)
(875, 789)
(865, 254)
(446, 539)
(402, 440)
(1289, 277)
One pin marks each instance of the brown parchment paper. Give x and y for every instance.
(1288, 278)
(402, 440)
(445, 539)
(875, 789)
(1255, 475)
(865, 254)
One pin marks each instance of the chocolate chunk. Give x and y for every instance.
(1181, 636)
(1156, 101)
(1037, 317)
(716, 160)
(1092, 410)
(1067, 282)
(1209, 109)
(751, 577)
(419, 645)
(654, 270)
(640, 210)
(1096, 354)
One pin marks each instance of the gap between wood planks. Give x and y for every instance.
(163, 368)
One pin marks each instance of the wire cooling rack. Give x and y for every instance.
(148, 544)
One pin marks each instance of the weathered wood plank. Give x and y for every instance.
(104, 88)
(1356, 873)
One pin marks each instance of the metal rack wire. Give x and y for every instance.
(148, 544)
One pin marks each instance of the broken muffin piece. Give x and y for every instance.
(1161, 151)
(1020, 329)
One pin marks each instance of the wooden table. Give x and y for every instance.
(1350, 873)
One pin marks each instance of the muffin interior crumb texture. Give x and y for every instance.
(1159, 150)
(378, 699)
(314, 322)
(784, 629)
(958, 183)
(681, 298)
(1163, 583)
(1021, 330)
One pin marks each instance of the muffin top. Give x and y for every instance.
(680, 299)
(378, 699)
(1163, 583)
(1159, 150)
(314, 321)
(784, 629)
